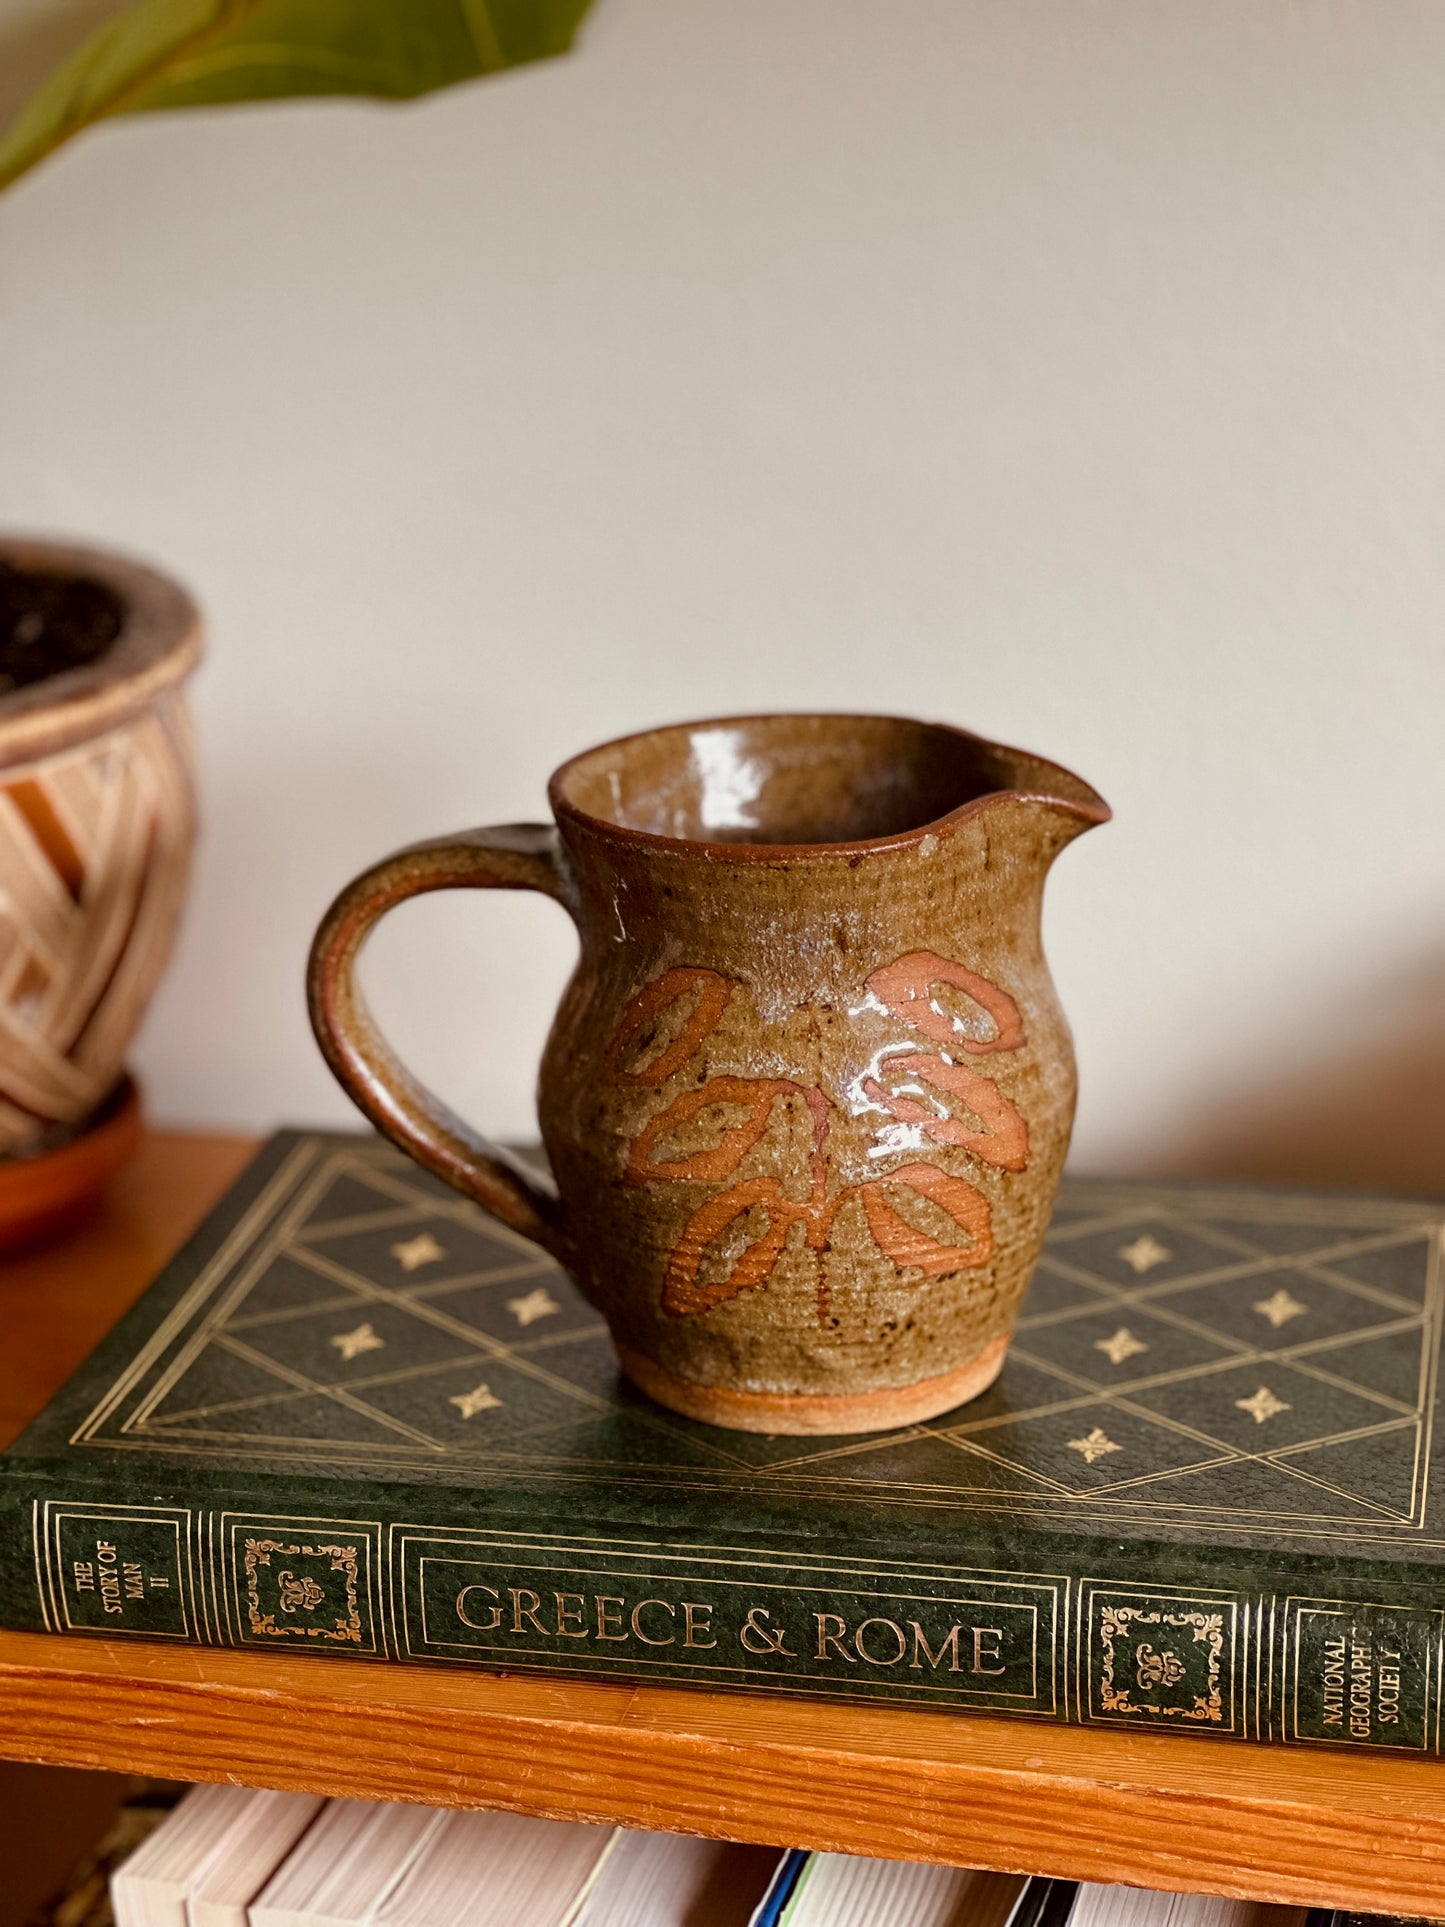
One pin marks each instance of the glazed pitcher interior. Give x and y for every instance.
(797, 779)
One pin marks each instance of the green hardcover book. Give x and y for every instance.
(356, 1417)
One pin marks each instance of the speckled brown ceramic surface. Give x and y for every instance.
(809, 1091)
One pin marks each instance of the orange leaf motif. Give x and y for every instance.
(999, 1136)
(1004, 1140)
(906, 1245)
(682, 1294)
(651, 1003)
(728, 1153)
(903, 988)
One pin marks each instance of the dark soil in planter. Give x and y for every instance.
(51, 623)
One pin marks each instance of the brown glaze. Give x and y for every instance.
(809, 1091)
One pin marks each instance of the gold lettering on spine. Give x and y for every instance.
(980, 1653)
(1362, 1666)
(478, 1625)
(528, 1612)
(759, 1635)
(1334, 1682)
(570, 1606)
(935, 1660)
(881, 1659)
(639, 1609)
(609, 1624)
(1387, 1683)
(696, 1619)
(833, 1631)
(105, 1559)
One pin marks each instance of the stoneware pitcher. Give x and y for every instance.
(809, 1090)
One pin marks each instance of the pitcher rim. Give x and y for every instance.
(1090, 813)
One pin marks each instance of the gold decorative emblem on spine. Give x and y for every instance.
(1117, 1622)
(1158, 1669)
(302, 1594)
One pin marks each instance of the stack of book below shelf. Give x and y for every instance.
(229, 1856)
(233, 1857)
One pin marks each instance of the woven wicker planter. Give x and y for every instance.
(97, 822)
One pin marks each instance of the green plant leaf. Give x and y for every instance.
(195, 53)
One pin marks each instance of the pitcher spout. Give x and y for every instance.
(1046, 805)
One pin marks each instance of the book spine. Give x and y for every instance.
(1234, 1660)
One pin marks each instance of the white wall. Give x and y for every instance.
(1072, 369)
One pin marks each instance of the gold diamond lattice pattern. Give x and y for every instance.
(1186, 1355)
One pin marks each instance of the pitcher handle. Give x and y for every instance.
(516, 856)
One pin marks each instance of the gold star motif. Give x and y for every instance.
(1263, 1405)
(1121, 1346)
(1280, 1308)
(353, 1344)
(423, 1249)
(483, 1399)
(1145, 1252)
(1098, 1445)
(537, 1304)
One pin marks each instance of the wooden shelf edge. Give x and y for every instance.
(613, 1754)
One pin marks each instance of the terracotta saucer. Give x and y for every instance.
(40, 1195)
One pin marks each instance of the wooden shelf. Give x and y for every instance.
(1340, 1828)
